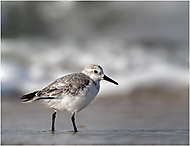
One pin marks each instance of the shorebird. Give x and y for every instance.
(71, 93)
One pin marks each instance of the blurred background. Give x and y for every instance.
(141, 45)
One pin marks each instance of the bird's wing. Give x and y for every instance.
(69, 85)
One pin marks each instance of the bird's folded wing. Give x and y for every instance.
(68, 85)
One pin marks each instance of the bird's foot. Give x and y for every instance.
(75, 131)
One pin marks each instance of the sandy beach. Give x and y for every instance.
(143, 116)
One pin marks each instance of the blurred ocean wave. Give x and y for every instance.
(131, 67)
(137, 43)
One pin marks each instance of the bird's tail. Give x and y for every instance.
(28, 97)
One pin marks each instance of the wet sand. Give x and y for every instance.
(143, 116)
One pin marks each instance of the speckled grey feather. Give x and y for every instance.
(70, 84)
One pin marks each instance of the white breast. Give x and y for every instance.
(75, 103)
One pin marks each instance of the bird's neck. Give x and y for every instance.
(97, 83)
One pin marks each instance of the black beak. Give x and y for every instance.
(110, 80)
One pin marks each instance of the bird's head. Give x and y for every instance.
(96, 73)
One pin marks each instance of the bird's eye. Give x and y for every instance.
(95, 71)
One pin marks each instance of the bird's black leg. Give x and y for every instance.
(73, 121)
(53, 122)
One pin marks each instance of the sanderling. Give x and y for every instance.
(72, 92)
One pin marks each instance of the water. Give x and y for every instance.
(137, 43)
(135, 65)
